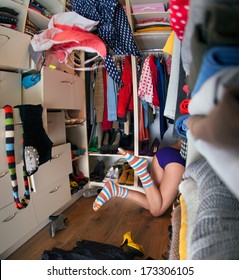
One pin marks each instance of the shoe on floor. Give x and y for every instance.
(92, 192)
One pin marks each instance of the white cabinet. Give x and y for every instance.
(10, 91)
(14, 49)
(15, 224)
(56, 90)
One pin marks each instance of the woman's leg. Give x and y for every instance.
(160, 187)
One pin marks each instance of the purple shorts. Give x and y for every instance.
(168, 155)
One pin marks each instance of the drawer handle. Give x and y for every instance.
(3, 174)
(10, 218)
(5, 36)
(55, 190)
(66, 82)
(56, 156)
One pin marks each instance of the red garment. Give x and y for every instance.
(153, 69)
(73, 38)
(125, 97)
(106, 125)
(179, 16)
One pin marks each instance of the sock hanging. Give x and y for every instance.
(140, 166)
(110, 190)
(37, 145)
(10, 153)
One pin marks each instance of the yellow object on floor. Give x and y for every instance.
(136, 248)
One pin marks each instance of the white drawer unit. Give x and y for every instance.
(14, 49)
(10, 91)
(50, 199)
(15, 224)
(51, 171)
(56, 129)
(56, 90)
(6, 195)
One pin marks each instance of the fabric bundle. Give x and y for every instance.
(113, 29)
(8, 17)
(216, 232)
(181, 125)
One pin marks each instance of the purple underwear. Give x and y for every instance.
(168, 155)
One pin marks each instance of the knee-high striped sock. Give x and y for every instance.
(140, 166)
(110, 190)
(9, 135)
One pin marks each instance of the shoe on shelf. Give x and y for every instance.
(115, 175)
(104, 149)
(95, 172)
(115, 142)
(109, 174)
(154, 147)
(123, 177)
(130, 178)
(101, 172)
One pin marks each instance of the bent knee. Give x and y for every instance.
(157, 212)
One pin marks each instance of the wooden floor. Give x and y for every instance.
(107, 225)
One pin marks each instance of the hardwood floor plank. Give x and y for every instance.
(107, 225)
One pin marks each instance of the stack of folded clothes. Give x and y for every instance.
(39, 8)
(152, 24)
(31, 28)
(8, 17)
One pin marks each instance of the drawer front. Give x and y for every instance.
(6, 194)
(17, 139)
(62, 90)
(56, 128)
(14, 49)
(14, 224)
(59, 167)
(49, 200)
(10, 89)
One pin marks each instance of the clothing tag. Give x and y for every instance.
(31, 159)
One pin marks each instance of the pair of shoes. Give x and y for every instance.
(134, 247)
(127, 176)
(98, 173)
(57, 224)
(92, 192)
(115, 142)
(146, 151)
(104, 149)
(110, 141)
(112, 175)
(127, 142)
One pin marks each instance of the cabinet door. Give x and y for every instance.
(14, 49)
(10, 88)
(15, 224)
(62, 90)
(49, 200)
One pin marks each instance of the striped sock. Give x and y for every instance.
(9, 135)
(110, 190)
(140, 166)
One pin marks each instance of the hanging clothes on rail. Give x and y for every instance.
(113, 29)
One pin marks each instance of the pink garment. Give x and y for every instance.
(145, 90)
(63, 39)
(179, 16)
